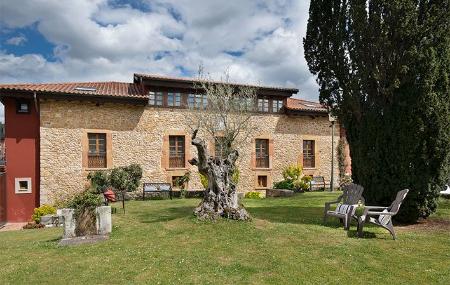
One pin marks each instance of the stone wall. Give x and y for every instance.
(137, 137)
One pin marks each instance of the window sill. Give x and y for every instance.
(310, 168)
(263, 169)
(94, 169)
(174, 169)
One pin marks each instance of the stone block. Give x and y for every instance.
(279, 193)
(69, 223)
(103, 220)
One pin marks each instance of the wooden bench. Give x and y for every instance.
(317, 183)
(156, 188)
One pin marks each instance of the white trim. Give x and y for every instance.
(17, 185)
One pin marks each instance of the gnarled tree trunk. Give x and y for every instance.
(220, 199)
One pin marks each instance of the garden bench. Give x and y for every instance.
(156, 188)
(317, 183)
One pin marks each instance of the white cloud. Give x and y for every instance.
(17, 41)
(96, 41)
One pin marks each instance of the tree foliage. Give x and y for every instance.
(383, 67)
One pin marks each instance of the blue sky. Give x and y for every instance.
(96, 40)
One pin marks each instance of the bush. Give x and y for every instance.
(253, 195)
(99, 181)
(293, 179)
(42, 211)
(284, 184)
(85, 200)
(182, 182)
(33, 225)
(292, 172)
(204, 180)
(84, 204)
(302, 184)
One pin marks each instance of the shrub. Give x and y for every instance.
(33, 225)
(204, 180)
(135, 173)
(302, 184)
(182, 182)
(253, 195)
(85, 200)
(99, 181)
(84, 204)
(293, 179)
(292, 172)
(284, 184)
(42, 211)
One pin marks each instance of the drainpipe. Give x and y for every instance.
(36, 102)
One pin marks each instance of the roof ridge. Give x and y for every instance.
(158, 76)
(73, 82)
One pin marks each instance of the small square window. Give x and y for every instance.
(262, 181)
(23, 106)
(22, 185)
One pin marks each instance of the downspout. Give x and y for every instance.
(36, 105)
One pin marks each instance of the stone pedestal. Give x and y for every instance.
(69, 223)
(103, 220)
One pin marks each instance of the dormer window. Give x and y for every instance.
(277, 105)
(23, 106)
(155, 98)
(174, 99)
(263, 105)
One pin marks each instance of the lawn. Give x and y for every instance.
(160, 242)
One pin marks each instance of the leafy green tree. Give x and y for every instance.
(383, 67)
(125, 179)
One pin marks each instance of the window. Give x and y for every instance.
(176, 152)
(277, 105)
(263, 105)
(262, 153)
(309, 159)
(155, 98)
(22, 185)
(23, 106)
(173, 99)
(97, 150)
(262, 181)
(197, 101)
(174, 181)
(219, 148)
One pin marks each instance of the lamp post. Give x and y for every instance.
(332, 120)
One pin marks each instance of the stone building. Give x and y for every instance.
(57, 133)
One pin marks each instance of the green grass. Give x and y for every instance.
(159, 242)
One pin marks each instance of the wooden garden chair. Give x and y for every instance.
(346, 204)
(382, 216)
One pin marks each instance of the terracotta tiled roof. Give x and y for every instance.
(191, 80)
(114, 89)
(303, 105)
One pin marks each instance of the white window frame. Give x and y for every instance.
(17, 185)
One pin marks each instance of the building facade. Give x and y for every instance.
(57, 133)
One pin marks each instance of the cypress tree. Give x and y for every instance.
(383, 67)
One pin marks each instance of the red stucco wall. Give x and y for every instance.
(22, 159)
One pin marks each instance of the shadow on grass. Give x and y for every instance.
(292, 215)
(366, 235)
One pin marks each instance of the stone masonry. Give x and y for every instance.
(137, 137)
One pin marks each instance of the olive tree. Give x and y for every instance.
(225, 117)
